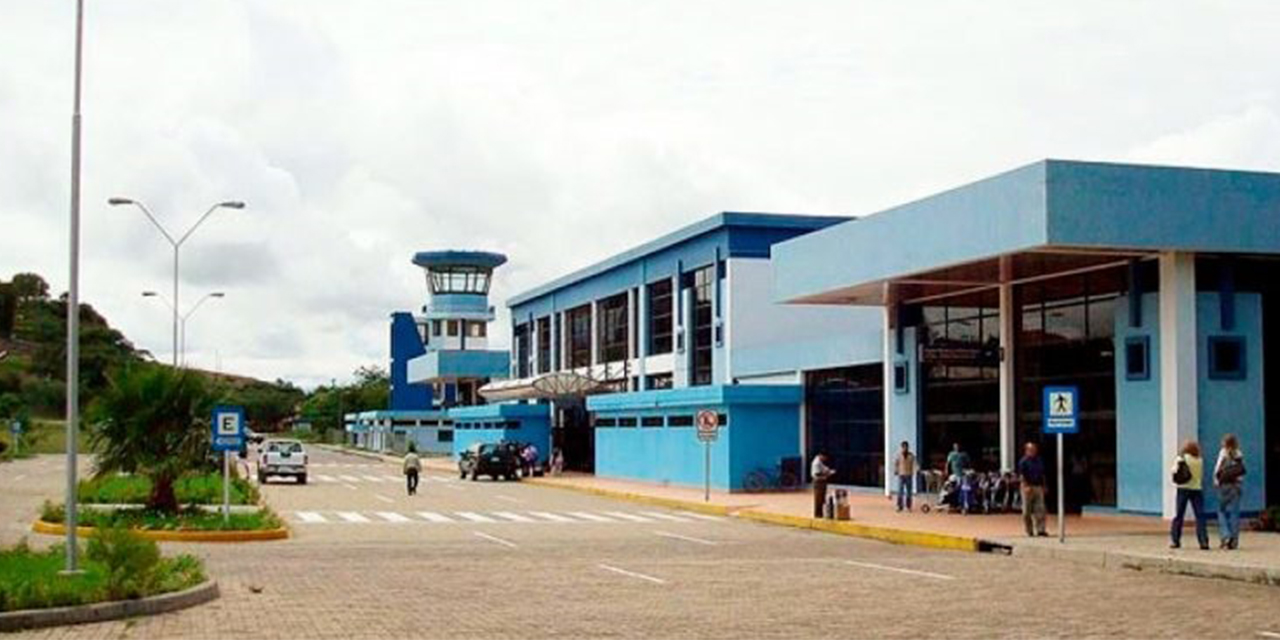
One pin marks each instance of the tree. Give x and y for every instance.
(29, 286)
(8, 310)
(152, 420)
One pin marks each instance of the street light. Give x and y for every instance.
(177, 245)
(182, 341)
(73, 304)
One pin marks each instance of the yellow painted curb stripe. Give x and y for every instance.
(884, 534)
(57, 529)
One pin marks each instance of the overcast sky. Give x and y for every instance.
(558, 133)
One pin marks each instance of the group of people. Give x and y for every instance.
(528, 454)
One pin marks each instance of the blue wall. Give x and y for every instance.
(406, 344)
(1140, 464)
(763, 426)
(484, 424)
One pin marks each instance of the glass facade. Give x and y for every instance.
(960, 392)
(700, 343)
(661, 312)
(544, 345)
(460, 279)
(521, 355)
(613, 320)
(579, 340)
(844, 418)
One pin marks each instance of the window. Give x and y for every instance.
(612, 323)
(658, 381)
(901, 379)
(651, 421)
(521, 354)
(660, 316)
(626, 422)
(1226, 358)
(544, 345)
(1137, 358)
(436, 326)
(452, 327)
(703, 284)
(579, 321)
(477, 329)
(558, 348)
(606, 422)
(459, 279)
(444, 435)
(680, 421)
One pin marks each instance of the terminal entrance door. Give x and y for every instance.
(574, 435)
(960, 382)
(844, 418)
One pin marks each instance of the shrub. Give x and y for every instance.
(130, 561)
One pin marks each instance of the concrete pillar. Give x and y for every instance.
(890, 357)
(555, 342)
(642, 332)
(1008, 379)
(1179, 406)
(595, 332)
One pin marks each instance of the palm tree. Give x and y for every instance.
(152, 420)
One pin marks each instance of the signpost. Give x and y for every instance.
(708, 423)
(228, 436)
(15, 428)
(1061, 416)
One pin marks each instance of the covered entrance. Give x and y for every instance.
(571, 429)
(844, 418)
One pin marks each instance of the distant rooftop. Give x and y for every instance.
(454, 258)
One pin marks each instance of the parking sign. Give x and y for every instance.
(228, 428)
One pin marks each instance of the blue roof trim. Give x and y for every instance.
(455, 258)
(683, 234)
(485, 412)
(697, 397)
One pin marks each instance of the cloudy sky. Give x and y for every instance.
(556, 132)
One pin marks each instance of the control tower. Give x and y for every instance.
(440, 357)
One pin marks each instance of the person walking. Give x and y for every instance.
(1031, 478)
(1188, 471)
(1227, 476)
(412, 469)
(905, 468)
(821, 474)
(557, 461)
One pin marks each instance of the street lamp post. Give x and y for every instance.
(182, 320)
(177, 247)
(73, 305)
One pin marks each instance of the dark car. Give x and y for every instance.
(488, 459)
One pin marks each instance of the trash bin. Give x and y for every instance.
(842, 504)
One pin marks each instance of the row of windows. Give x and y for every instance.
(683, 420)
(453, 328)
(459, 280)
(499, 424)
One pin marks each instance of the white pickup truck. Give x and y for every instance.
(282, 458)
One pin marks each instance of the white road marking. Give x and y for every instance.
(506, 543)
(913, 572)
(311, 516)
(590, 516)
(632, 574)
(392, 479)
(473, 516)
(453, 486)
(350, 478)
(508, 498)
(551, 516)
(431, 516)
(700, 516)
(372, 478)
(1268, 634)
(324, 478)
(384, 499)
(352, 516)
(514, 517)
(663, 516)
(627, 516)
(666, 534)
(351, 486)
(391, 516)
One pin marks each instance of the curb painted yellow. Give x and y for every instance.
(58, 529)
(846, 528)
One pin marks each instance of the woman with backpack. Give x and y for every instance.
(1188, 473)
(1227, 474)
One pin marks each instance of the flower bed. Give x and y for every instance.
(185, 520)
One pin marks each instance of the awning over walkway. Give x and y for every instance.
(1050, 218)
(547, 386)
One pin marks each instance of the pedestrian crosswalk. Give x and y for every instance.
(369, 478)
(350, 465)
(496, 517)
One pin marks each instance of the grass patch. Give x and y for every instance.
(186, 520)
(192, 489)
(42, 436)
(117, 566)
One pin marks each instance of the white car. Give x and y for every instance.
(277, 457)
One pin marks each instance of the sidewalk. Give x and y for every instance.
(1115, 541)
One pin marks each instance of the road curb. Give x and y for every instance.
(1253, 574)
(853, 529)
(58, 529)
(103, 611)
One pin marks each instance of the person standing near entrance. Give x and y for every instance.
(1227, 475)
(957, 461)
(905, 468)
(1188, 471)
(412, 468)
(1031, 477)
(821, 474)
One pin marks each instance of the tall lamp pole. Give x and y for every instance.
(177, 247)
(73, 305)
(182, 321)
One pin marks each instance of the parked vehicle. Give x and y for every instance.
(501, 460)
(282, 458)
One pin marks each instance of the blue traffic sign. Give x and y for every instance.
(15, 427)
(228, 428)
(1061, 409)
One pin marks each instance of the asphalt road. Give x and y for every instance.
(485, 559)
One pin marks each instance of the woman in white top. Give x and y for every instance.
(1227, 476)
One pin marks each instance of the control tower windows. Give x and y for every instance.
(459, 279)
(452, 326)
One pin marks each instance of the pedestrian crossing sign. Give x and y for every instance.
(1061, 410)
